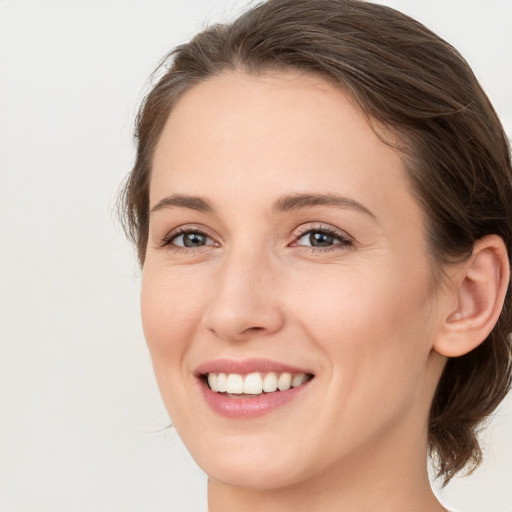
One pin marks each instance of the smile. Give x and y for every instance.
(255, 383)
(252, 387)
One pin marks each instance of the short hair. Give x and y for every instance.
(455, 152)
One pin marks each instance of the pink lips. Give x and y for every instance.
(247, 407)
(247, 366)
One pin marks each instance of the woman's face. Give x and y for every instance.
(284, 243)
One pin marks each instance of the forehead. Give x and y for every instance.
(235, 112)
(275, 133)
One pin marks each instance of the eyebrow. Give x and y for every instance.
(299, 201)
(283, 204)
(192, 202)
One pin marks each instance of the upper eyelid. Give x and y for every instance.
(306, 228)
(190, 228)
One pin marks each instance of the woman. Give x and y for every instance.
(321, 207)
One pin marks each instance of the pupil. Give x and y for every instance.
(320, 239)
(193, 239)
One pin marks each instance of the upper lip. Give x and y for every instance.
(246, 366)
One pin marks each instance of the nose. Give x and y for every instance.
(245, 301)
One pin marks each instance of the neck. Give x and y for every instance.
(387, 478)
(324, 497)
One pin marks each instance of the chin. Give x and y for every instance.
(256, 469)
(254, 476)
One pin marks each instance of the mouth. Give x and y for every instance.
(244, 389)
(236, 385)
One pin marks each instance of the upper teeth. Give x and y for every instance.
(254, 383)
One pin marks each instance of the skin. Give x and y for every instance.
(362, 315)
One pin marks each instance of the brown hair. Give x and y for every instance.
(455, 151)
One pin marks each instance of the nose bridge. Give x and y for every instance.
(243, 302)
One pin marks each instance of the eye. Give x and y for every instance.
(188, 239)
(322, 238)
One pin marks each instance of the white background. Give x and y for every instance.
(79, 408)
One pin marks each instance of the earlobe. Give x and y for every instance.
(481, 285)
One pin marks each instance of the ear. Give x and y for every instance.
(476, 299)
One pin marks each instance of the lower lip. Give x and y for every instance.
(252, 406)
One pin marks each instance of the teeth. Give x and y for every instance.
(235, 384)
(270, 382)
(254, 383)
(222, 383)
(213, 381)
(298, 379)
(284, 382)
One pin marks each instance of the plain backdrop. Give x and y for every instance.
(81, 421)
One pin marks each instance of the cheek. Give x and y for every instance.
(370, 324)
(170, 309)
(170, 313)
(375, 335)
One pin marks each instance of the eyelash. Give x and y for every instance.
(173, 235)
(344, 241)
